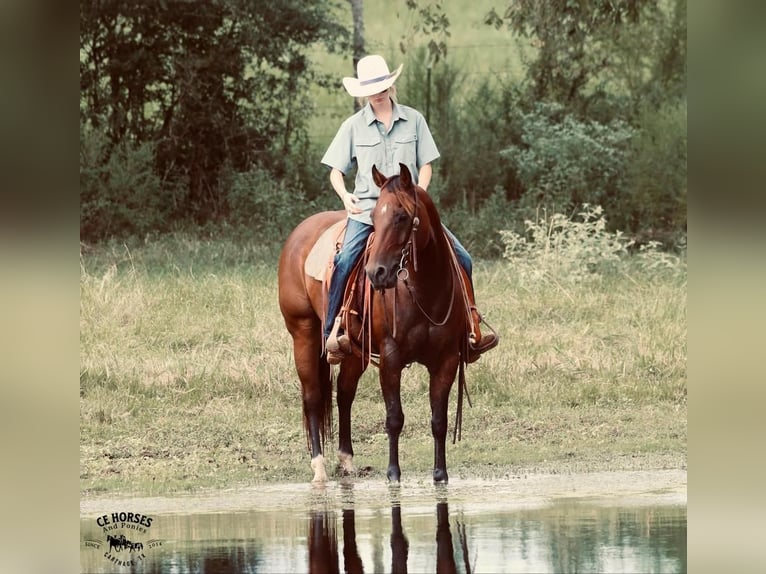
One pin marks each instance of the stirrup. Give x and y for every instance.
(335, 357)
(488, 341)
(332, 345)
(338, 347)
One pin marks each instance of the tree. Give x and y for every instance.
(572, 41)
(357, 15)
(213, 85)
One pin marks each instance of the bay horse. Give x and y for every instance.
(416, 312)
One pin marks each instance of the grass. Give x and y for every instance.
(187, 380)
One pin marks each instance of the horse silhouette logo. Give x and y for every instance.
(119, 543)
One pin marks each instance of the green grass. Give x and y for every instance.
(187, 379)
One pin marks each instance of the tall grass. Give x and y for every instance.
(187, 378)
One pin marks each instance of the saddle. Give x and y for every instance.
(319, 266)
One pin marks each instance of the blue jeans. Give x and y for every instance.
(353, 245)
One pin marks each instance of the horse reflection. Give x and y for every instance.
(445, 554)
(323, 543)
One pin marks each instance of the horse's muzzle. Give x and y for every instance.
(380, 276)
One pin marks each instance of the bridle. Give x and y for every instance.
(409, 250)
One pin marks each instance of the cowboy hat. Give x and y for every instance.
(372, 77)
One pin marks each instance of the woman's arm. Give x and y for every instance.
(339, 185)
(424, 176)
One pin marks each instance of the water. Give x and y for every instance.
(609, 522)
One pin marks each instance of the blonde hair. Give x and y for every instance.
(391, 94)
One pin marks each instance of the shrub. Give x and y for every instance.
(261, 206)
(580, 248)
(480, 232)
(563, 162)
(119, 197)
(565, 248)
(654, 195)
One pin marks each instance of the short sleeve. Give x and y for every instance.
(427, 150)
(340, 154)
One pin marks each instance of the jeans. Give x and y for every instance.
(353, 244)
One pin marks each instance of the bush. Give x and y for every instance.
(562, 247)
(480, 232)
(563, 162)
(654, 196)
(122, 196)
(262, 207)
(575, 249)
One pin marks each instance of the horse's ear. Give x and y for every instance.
(405, 178)
(377, 177)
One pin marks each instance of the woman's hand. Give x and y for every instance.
(349, 199)
(349, 202)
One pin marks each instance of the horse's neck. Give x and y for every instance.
(434, 259)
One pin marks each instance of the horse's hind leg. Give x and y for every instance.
(348, 379)
(316, 386)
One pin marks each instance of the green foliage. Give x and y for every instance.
(208, 105)
(212, 84)
(432, 22)
(653, 197)
(480, 232)
(565, 248)
(574, 41)
(121, 196)
(262, 207)
(563, 162)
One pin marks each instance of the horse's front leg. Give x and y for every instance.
(442, 378)
(348, 379)
(390, 384)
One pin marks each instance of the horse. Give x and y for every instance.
(416, 312)
(114, 542)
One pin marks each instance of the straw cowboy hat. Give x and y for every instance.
(372, 78)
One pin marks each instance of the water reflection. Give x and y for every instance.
(330, 533)
(323, 545)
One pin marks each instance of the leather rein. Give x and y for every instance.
(403, 274)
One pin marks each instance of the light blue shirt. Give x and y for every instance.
(364, 141)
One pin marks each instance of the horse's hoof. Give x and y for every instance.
(318, 466)
(394, 475)
(346, 464)
(440, 476)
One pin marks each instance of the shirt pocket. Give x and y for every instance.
(406, 150)
(369, 152)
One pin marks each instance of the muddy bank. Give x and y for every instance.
(643, 487)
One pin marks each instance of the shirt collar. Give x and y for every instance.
(398, 113)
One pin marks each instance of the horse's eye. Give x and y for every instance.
(400, 218)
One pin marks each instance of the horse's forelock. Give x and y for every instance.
(407, 198)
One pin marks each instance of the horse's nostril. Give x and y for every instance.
(376, 274)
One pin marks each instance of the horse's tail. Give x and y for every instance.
(325, 404)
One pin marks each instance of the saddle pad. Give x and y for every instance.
(321, 255)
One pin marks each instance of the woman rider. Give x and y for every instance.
(383, 133)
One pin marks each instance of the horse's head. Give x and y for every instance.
(398, 219)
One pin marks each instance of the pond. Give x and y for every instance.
(599, 522)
